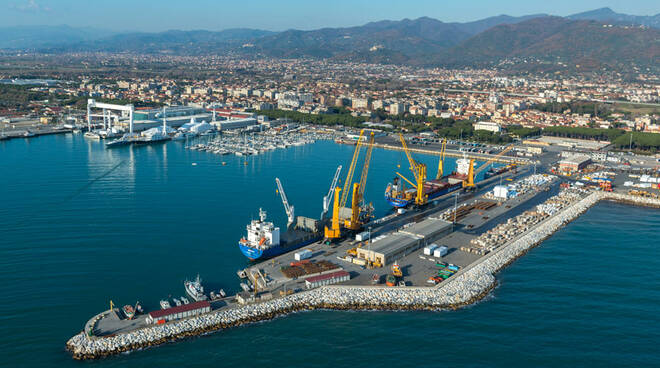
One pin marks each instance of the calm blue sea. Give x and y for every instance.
(81, 225)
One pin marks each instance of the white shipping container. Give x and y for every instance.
(362, 236)
(440, 252)
(303, 254)
(428, 250)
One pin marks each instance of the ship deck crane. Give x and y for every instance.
(472, 173)
(331, 192)
(287, 207)
(419, 171)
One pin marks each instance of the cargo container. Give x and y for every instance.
(303, 254)
(440, 251)
(428, 250)
(363, 236)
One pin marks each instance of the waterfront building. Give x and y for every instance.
(186, 310)
(488, 125)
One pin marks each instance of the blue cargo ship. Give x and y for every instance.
(263, 239)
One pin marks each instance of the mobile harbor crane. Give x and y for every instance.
(359, 211)
(331, 192)
(419, 172)
(472, 173)
(287, 207)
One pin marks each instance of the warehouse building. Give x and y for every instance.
(183, 311)
(574, 164)
(390, 248)
(327, 279)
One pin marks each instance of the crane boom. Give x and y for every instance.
(287, 207)
(331, 192)
(351, 170)
(365, 167)
(441, 163)
(411, 161)
(485, 165)
(473, 173)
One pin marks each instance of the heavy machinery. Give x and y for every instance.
(359, 211)
(331, 192)
(441, 163)
(396, 270)
(419, 172)
(472, 173)
(287, 207)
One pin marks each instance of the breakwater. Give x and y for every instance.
(467, 286)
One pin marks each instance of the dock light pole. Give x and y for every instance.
(455, 204)
(369, 243)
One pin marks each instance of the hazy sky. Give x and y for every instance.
(159, 15)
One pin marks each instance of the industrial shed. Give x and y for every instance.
(182, 311)
(406, 241)
(327, 279)
(429, 229)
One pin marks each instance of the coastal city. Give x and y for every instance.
(199, 190)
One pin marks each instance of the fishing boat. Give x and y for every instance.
(164, 304)
(129, 311)
(195, 289)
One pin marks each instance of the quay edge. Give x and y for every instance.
(468, 286)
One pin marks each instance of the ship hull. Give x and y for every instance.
(254, 254)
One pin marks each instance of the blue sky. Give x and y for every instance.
(277, 15)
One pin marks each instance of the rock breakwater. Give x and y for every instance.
(469, 285)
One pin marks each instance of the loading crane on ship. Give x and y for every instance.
(419, 172)
(358, 209)
(331, 192)
(472, 173)
(287, 207)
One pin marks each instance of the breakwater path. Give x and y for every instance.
(469, 285)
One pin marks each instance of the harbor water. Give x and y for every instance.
(83, 225)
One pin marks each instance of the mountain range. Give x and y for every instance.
(591, 39)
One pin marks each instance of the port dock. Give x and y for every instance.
(471, 283)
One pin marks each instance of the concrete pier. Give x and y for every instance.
(469, 285)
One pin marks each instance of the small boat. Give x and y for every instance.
(184, 300)
(195, 289)
(138, 308)
(222, 293)
(92, 135)
(164, 304)
(129, 311)
(177, 302)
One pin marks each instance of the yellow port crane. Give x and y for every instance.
(472, 173)
(441, 163)
(355, 221)
(419, 172)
